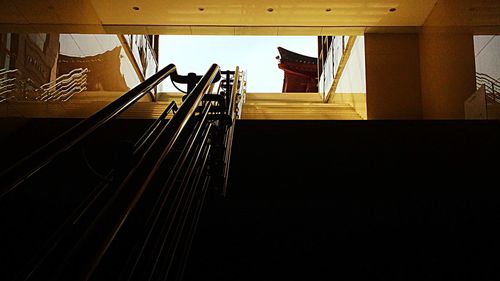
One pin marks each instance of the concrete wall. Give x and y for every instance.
(447, 62)
(355, 100)
(448, 74)
(393, 76)
(431, 74)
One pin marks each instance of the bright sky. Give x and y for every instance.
(254, 54)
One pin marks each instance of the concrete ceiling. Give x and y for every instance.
(255, 13)
(234, 17)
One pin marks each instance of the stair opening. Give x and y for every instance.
(288, 77)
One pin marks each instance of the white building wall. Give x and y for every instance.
(353, 79)
(83, 45)
(487, 49)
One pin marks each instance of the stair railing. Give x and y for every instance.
(151, 204)
(110, 226)
(31, 164)
(169, 171)
(65, 86)
(8, 82)
(492, 87)
(233, 108)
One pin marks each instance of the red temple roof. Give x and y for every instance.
(301, 72)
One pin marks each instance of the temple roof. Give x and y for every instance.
(289, 56)
(301, 73)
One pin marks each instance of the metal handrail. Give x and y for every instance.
(4, 71)
(31, 164)
(169, 212)
(488, 77)
(97, 239)
(6, 80)
(481, 79)
(64, 84)
(64, 78)
(148, 177)
(156, 126)
(229, 139)
(3, 87)
(194, 146)
(242, 95)
(493, 83)
(64, 89)
(99, 191)
(5, 99)
(7, 84)
(491, 86)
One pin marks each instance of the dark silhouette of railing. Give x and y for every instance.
(138, 222)
(22, 170)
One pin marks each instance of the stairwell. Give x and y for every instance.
(314, 200)
(295, 106)
(347, 200)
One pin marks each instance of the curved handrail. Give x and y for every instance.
(64, 78)
(64, 88)
(68, 88)
(7, 80)
(4, 92)
(7, 85)
(484, 80)
(31, 164)
(5, 99)
(2, 87)
(4, 71)
(487, 77)
(65, 97)
(491, 86)
(63, 84)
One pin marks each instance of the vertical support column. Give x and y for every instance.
(393, 76)
(447, 62)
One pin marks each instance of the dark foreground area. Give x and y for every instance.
(307, 200)
(378, 200)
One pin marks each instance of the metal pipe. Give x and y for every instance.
(81, 263)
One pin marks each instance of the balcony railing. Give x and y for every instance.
(492, 87)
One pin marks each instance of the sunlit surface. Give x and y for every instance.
(69, 75)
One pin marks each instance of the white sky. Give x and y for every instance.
(254, 54)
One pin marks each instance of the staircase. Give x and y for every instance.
(347, 200)
(305, 200)
(295, 106)
(110, 198)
